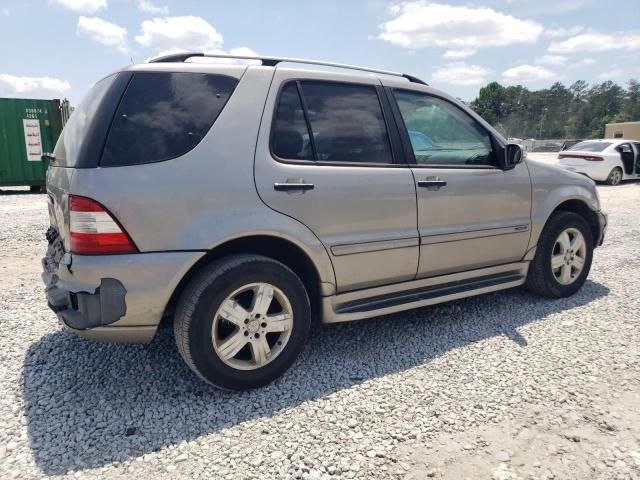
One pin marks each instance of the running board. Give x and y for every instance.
(419, 293)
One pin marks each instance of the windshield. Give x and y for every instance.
(75, 131)
(590, 146)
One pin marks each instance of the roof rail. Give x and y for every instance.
(273, 61)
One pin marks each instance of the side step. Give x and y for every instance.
(419, 293)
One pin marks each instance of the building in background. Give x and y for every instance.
(630, 130)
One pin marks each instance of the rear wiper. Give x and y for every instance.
(49, 156)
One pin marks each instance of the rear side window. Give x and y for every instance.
(345, 119)
(164, 115)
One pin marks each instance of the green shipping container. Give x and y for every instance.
(28, 128)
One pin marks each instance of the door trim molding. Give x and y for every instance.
(471, 234)
(377, 246)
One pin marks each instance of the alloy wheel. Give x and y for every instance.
(616, 177)
(252, 326)
(568, 256)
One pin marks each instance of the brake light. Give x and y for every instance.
(94, 231)
(588, 158)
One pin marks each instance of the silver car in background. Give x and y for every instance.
(237, 203)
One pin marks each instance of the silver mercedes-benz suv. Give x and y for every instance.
(237, 202)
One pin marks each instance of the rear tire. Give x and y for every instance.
(548, 281)
(615, 177)
(242, 321)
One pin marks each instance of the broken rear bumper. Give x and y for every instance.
(114, 297)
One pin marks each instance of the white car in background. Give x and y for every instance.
(605, 160)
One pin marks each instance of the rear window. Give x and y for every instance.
(164, 115)
(83, 119)
(590, 146)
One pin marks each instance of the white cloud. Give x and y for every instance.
(39, 87)
(148, 7)
(6, 12)
(559, 32)
(394, 9)
(420, 24)
(103, 32)
(612, 73)
(183, 33)
(547, 7)
(616, 72)
(459, 73)
(527, 74)
(552, 59)
(582, 63)
(463, 53)
(243, 51)
(597, 42)
(85, 6)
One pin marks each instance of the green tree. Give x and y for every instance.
(631, 108)
(577, 111)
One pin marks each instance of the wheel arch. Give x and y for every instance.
(581, 208)
(278, 248)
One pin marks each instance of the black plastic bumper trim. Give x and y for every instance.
(104, 307)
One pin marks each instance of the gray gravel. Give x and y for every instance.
(503, 386)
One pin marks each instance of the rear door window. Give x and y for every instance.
(347, 122)
(164, 115)
(330, 122)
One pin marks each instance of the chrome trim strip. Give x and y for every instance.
(364, 247)
(453, 237)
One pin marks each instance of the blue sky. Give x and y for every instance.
(57, 48)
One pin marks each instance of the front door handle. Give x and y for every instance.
(292, 186)
(435, 184)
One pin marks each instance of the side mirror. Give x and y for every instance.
(513, 155)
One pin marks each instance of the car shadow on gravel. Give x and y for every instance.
(89, 404)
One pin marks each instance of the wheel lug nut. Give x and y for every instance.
(263, 324)
(257, 335)
(246, 334)
(246, 320)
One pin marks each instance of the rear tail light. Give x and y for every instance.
(94, 231)
(588, 158)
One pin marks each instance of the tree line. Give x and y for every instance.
(578, 111)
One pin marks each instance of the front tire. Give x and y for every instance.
(563, 257)
(242, 321)
(615, 177)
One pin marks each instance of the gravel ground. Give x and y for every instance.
(503, 386)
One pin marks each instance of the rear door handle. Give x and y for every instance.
(292, 187)
(435, 184)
